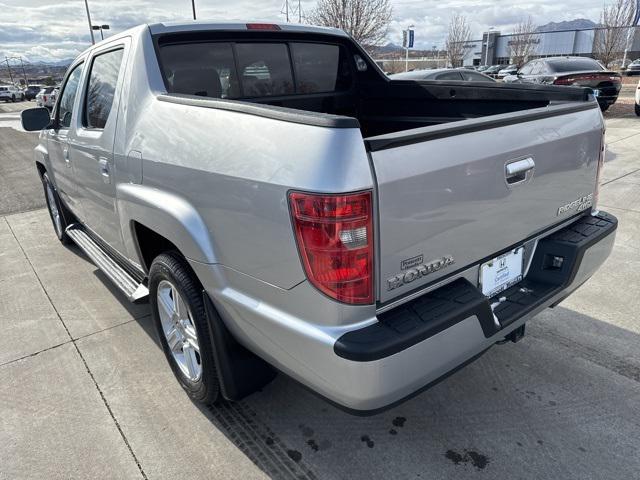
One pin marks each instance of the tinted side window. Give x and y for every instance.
(65, 105)
(320, 68)
(204, 69)
(103, 78)
(449, 76)
(474, 77)
(264, 69)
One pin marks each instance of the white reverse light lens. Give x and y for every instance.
(355, 238)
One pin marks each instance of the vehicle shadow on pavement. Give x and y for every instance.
(562, 403)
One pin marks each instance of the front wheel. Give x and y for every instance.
(179, 315)
(637, 109)
(56, 210)
(13, 98)
(604, 107)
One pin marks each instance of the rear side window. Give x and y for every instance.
(320, 68)
(265, 69)
(474, 76)
(101, 89)
(449, 76)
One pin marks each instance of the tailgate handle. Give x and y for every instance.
(519, 171)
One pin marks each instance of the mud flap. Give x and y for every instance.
(240, 372)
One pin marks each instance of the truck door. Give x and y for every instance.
(57, 139)
(91, 145)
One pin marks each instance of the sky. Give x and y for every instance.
(40, 30)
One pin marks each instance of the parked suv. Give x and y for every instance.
(285, 206)
(11, 93)
(47, 97)
(31, 91)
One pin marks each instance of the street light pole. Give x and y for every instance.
(193, 7)
(9, 68)
(406, 58)
(101, 28)
(93, 40)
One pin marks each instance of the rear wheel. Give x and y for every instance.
(56, 210)
(637, 109)
(13, 98)
(178, 312)
(604, 107)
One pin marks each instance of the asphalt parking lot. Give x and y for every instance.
(85, 391)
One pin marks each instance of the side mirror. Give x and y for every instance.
(34, 119)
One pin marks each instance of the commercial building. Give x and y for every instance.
(494, 48)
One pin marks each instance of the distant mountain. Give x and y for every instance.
(65, 62)
(388, 48)
(577, 24)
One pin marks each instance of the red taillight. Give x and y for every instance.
(335, 239)
(44, 98)
(587, 78)
(262, 26)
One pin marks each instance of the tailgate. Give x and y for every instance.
(454, 194)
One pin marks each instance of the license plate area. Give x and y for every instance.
(502, 272)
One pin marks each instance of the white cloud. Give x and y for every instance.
(41, 30)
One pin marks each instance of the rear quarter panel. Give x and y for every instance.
(236, 170)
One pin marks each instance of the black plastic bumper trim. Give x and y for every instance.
(417, 320)
(430, 314)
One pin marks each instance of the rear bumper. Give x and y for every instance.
(369, 367)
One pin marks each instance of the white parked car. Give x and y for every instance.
(47, 97)
(638, 100)
(11, 93)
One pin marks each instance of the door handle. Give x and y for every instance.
(104, 170)
(519, 171)
(65, 155)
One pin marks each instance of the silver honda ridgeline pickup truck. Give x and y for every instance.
(287, 207)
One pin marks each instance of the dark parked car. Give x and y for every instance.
(576, 71)
(634, 68)
(493, 70)
(31, 91)
(443, 74)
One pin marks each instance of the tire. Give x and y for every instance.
(637, 108)
(604, 107)
(57, 211)
(194, 368)
(13, 98)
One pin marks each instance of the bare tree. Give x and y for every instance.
(367, 21)
(457, 38)
(609, 40)
(522, 43)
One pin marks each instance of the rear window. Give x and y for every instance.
(320, 68)
(265, 69)
(575, 65)
(48, 89)
(251, 69)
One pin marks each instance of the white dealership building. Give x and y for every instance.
(494, 47)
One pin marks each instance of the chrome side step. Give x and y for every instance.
(134, 290)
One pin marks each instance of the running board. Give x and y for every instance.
(134, 290)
